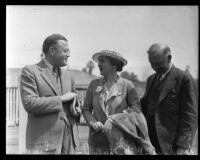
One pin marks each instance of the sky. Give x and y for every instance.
(130, 30)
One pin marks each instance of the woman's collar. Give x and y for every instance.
(116, 78)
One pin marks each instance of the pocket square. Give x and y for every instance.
(173, 93)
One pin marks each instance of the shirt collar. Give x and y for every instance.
(164, 74)
(49, 65)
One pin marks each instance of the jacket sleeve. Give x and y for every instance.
(88, 106)
(143, 100)
(188, 113)
(31, 100)
(133, 98)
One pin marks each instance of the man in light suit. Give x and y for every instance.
(169, 104)
(47, 91)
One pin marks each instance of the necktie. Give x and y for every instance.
(157, 80)
(56, 72)
(159, 77)
(57, 76)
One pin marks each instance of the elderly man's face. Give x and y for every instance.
(159, 62)
(61, 53)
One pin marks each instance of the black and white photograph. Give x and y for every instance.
(102, 80)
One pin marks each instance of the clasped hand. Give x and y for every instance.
(97, 126)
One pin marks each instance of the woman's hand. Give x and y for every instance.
(97, 126)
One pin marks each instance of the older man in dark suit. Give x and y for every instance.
(46, 92)
(169, 104)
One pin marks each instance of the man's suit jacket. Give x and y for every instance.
(175, 110)
(47, 115)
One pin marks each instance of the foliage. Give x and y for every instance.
(140, 85)
(84, 70)
(130, 76)
(90, 65)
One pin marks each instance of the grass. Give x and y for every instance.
(12, 141)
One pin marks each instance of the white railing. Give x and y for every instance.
(12, 106)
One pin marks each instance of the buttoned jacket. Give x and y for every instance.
(127, 97)
(175, 110)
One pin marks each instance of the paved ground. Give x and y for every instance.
(12, 141)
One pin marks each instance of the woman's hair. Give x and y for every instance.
(119, 64)
(51, 40)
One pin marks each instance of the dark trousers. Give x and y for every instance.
(152, 133)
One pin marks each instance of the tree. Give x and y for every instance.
(140, 85)
(90, 65)
(84, 70)
(134, 77)
(130, 76)
(187, 69)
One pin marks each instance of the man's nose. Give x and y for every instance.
(67, 55)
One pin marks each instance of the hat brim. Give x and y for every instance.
(95, 57)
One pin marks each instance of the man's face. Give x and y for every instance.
(61, 53)
(159, 62)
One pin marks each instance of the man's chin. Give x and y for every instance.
(101, 73)
(64, 64)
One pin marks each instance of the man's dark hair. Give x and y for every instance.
(51, 40)
(119, 64)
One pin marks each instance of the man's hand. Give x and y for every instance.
(97, 126)
(68, 96)
(124, 111)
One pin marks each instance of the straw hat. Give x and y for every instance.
(108, 53)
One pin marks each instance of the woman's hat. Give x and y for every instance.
(108, 53)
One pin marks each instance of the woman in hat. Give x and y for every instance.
(106, 96)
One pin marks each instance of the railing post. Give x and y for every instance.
(7, 106)
(23, 116)
(17, 107)
(13, 106)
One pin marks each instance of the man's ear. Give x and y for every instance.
(169, 57)
(51, 51)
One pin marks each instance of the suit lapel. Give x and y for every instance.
(47, 76)
(119, 84)
(100, 83)
(149, 85)
(168, 85)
